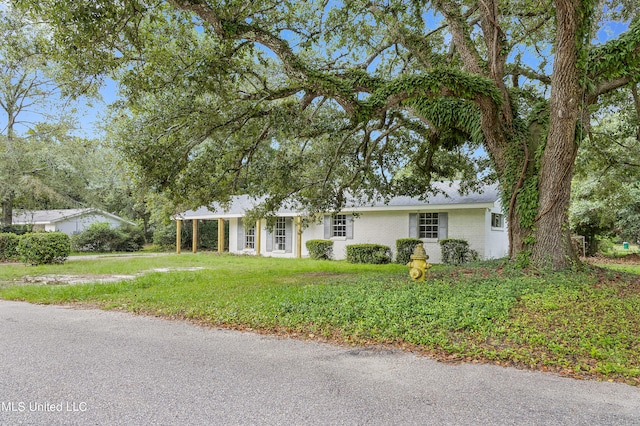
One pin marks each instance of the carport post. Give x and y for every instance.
(221, 235)
(258, 242)
(178, 226)
(299, 237)
(194, 242)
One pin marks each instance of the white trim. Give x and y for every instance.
(350, 210)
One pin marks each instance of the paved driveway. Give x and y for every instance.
(62, 365)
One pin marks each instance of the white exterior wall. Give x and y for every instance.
(234, 247)
(368, 228)
(387, 227)
(497, 242)
(78, 224)
(469, 225)
(472, 225)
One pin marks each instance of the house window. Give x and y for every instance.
(339, 225)
(428, 225)
(250, 238)
(280, 238)
(497, 220)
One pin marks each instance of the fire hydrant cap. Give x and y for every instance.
(419, 253)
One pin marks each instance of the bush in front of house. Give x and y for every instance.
(320, 249)
(405, 248)
(40, 248)
(100, 237)
(368, 253)
(8, 246)
(456, 251)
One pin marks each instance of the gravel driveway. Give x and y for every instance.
(61, 365)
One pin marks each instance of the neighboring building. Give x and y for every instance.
(476, 217)
(69, 221)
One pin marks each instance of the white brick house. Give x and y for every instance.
(475, 217)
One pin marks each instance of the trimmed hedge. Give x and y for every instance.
(455, 251)
(320, 249)
(44, 247)
(405, 248)
(8, 246)
(368, 253)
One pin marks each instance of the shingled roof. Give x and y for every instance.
(448, 195)
(44, 217)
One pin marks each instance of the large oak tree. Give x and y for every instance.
(310, 100)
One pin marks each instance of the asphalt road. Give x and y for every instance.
(61, 365)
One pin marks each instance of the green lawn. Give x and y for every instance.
(579, 323)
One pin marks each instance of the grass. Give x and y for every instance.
(584, 324)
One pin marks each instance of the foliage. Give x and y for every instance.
(605, 188)
(320, 249)
(30, 91)
(134, 238)
(16, 229)
(583, 323)
(405, 248)
(368, 253)
(164, 235)
(456, 251)
(101, 237)
(8, 246)
(309, 102)
(40, 248)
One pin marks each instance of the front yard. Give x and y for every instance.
(580, 324)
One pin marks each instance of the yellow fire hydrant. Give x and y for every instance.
(418, 264)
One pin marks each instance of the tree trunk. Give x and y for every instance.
(552, 246)
(7, 211)
(541, 232)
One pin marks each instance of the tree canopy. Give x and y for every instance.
(310, 101)
(607, 182)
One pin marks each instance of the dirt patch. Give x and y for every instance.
(55, 279)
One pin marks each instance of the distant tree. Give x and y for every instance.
(31, 92)
(607, 181)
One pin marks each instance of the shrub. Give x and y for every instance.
(404, 249)
(456, 251)
(133, 238)
(8, 246)
(100, 237)
(320, 249)
(368, 253)
(16, 229)
(44, 247)
(164, 236)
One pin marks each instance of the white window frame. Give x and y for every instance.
(428, 225)
(280, 234)
(339, 226)
(497, 220)
(250, 238)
